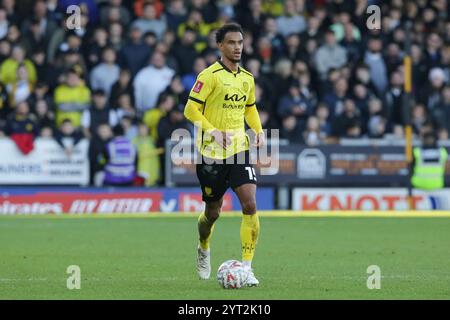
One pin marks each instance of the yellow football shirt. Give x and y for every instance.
(222, 96)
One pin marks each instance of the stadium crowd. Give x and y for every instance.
(321, 74)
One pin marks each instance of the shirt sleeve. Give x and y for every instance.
(202, 88)
(252, 98)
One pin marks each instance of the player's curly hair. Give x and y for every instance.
(229, 27)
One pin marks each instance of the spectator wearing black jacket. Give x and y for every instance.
(67, 136)
(135, 54)
(97, 148)
(100, 112)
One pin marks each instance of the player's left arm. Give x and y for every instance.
(251, 116)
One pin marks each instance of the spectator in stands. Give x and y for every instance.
(138, 7)
(184, 51)
(116, 39)
(97, 147)
(135, 54)
(8, 69)
(343, 22)
(105, 74)
(293, 104)
(265, 54)
(188, 80)
(353, 130)
(393, 57)
(431, 94)
(45, 118)
(151, 21)
(68, 136)
(99, 112)
(166, 50)
(71, 99)
(329, 55)
(196, 21)
(150, 39)
(166, 102)
(113, 12)
(282, 78)
(148, 168)
(393, 98)
(271, 33)
(253, 17)
(21, 89)
(265, 109)
(312, 30)
(378, 70)
(177, 90)
(207, 8)
(292, 48)
(120, 160)
(122, 86)
(312, 134)
(3, 23)
(347, 120)
(291, 130)
(129, 127)
(173, 120)
(151, 81)
(441, 113)
(432, 55)
(335, 99)
(291, 21)
(323, 116)
(362, 75)
(176, 13)
(361, 97)
(15, 37)
(97, 43)
(40, 92)
(125, 107)
(22, 128)
(419, 119)
(5, 49)
(351, 42)
(4, 103)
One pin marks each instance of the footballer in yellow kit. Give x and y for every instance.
(220, 102)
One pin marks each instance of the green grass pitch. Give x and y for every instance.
(154, 258)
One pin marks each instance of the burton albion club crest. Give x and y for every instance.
(245, 86)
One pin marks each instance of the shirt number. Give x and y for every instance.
(251, 173)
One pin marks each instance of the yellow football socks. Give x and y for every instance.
(249, 236)
(205, 230)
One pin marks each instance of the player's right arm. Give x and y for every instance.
(202, 88)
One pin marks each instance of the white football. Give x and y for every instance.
(232, 274)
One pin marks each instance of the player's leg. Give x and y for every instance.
(213, 184)
(243, 182)
(205, 229)
(250, 222)
(206, 222)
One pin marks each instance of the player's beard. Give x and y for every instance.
(234, 60)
